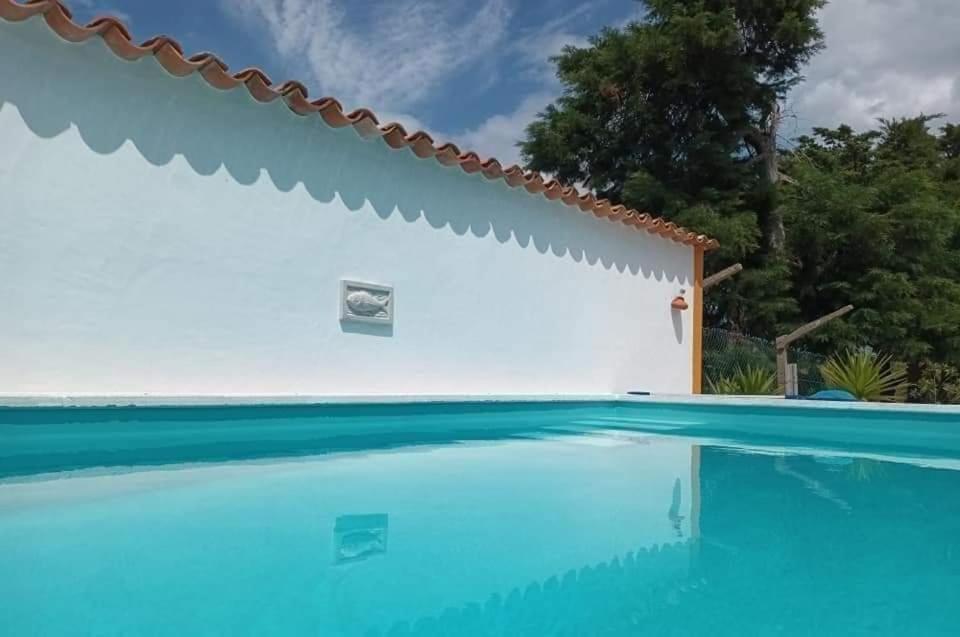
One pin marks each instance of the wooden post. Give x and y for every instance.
(699, 285)
(783, 342)
(697, 320)
(722, 275)
(781, 368)
(793, 380)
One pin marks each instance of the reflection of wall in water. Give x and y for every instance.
(483, 527)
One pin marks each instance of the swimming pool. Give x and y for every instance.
(599, 518)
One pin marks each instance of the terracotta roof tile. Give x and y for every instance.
(170, 54)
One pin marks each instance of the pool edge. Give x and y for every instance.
(249, 400)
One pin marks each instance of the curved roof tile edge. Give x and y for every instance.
(170, 55)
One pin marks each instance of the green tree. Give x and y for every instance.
(678, 114)
(873, 219)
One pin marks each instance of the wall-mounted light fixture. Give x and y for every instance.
(678, 302)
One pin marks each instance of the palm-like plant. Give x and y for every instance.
(866, 375)
(749, 381)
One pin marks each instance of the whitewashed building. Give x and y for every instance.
(171, 228)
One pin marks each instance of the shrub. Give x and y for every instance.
(866, 375)
(938, 383)
(749, 381)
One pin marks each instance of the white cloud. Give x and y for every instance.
(531, 49)
(93, 8)
(498, 135)
(534, 47)
(403, 52)
(410, 122)
(392, 56)
(884, 58)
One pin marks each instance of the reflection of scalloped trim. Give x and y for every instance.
(169, 53)
(626, 596)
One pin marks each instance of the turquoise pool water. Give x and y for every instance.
(472, 519)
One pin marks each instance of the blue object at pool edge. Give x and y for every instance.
(833, 394)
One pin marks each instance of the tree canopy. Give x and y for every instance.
(678, 114)
(873, 219)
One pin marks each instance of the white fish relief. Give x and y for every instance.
(365, 303)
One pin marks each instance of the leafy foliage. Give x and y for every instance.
(872, 221)
(938, 383)
(677, 114)
(866, 375)
(748, 381)
(673, 114)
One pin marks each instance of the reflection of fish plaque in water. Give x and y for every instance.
(366, 302)
(357, 537)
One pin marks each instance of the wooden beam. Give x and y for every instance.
(722, 275)
(783, 342)
(802, 331)
(697, 321)
(782, 370)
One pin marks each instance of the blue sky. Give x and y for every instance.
(476, 71)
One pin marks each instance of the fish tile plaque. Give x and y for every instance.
(366, 302)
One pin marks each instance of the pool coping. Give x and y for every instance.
(781, 402)
(241, 400)
(225, 400)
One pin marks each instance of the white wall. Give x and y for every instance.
(161, 236)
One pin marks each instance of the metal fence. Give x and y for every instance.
(726, 352)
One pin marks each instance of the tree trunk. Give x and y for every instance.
(775, 233)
